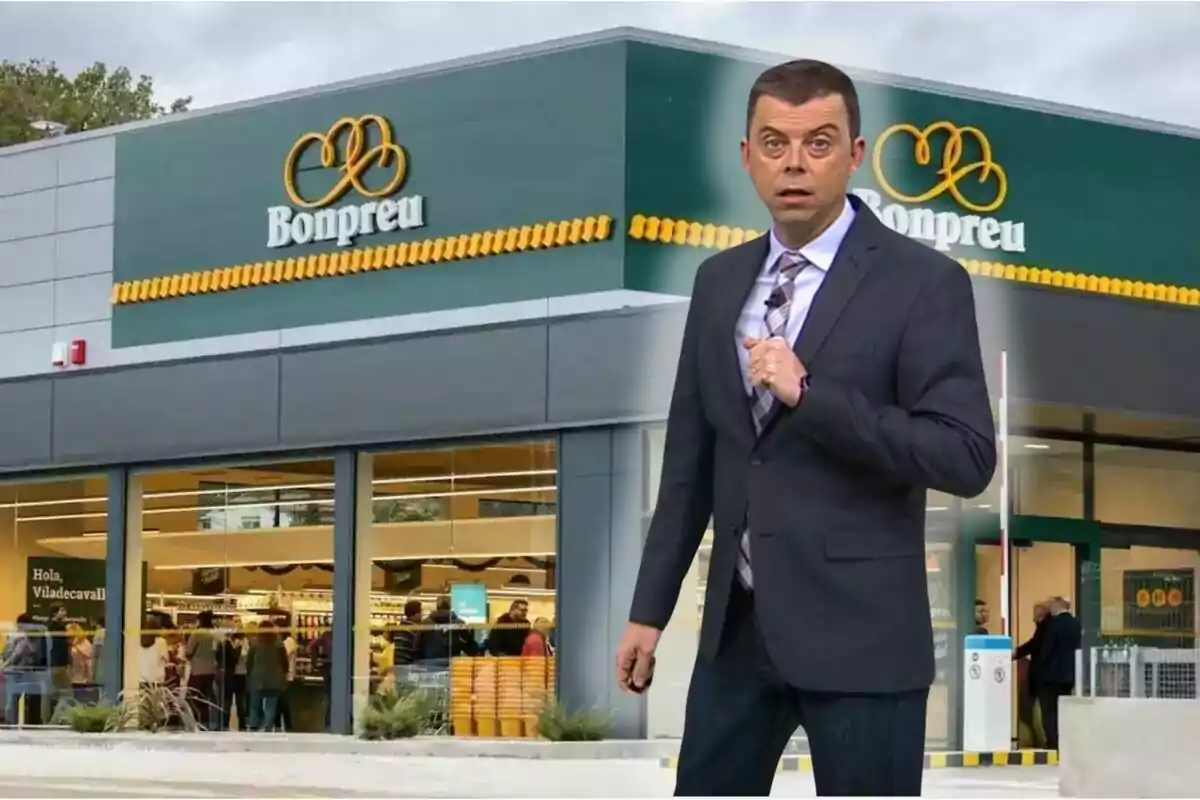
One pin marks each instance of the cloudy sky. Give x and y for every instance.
(1132, 58)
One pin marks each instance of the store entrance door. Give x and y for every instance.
(1047, 558)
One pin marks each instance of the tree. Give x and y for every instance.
(36, 91)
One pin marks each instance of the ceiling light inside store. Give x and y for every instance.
(425, 557)
(247, 488)
(289, 503)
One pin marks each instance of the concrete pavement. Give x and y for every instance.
(129, 771)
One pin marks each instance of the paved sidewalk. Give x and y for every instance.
(127, 770)
(328, 744)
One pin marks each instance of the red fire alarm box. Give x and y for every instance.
(79, 352)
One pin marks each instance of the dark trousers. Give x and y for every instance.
(740, 715)
(1047, 697)
(233, 697)
(203, 700)
(1026, 697)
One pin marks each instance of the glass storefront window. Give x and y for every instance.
(236, 596)
(52, 595)
(1047, 480)
(942, 528)
(1138, 486)
(461, 609)
(1148, 596)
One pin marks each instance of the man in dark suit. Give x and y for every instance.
(1056, 676)
(1033, 650)
(829, 375)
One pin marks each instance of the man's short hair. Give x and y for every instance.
(797, 82)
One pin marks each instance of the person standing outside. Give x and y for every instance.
(1035, 652)
(1063, 636)
(829, 375)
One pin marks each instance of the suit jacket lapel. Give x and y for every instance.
(739, 281)
(854, 259)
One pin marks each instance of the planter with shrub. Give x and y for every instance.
(557, 724)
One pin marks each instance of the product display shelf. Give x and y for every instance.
(462, 700)
(484, 697)
(510, 679)
(499, 697)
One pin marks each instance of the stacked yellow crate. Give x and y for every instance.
(508, 701)
(533, 692)
(485, 696)
(462, 689)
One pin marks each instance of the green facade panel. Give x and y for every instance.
(518, 143)
(617, 128)
(1079, 187)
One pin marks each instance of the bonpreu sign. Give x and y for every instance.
(77, 584)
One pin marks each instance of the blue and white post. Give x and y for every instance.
(987, 660)
(987, 694)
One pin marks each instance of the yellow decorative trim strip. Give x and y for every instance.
(1097, 284)
(482, 244)
(719, 237)
(686, 232)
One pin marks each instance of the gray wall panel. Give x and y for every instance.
(28, 306)
(442, 385)
(84, 252)
(85, 205)
(83, 299)
(614, 367)
(87, 161)
(25, 215)
(27, 172)
(27, 260)
(194, 408)
(1100, 351)
(25, 353)
(599, 549)
(25, 435)
(1065, 348)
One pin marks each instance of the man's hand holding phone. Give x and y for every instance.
(635, 658)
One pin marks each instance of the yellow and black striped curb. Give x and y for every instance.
(690, 233)
(477, 245)
(1004, 758)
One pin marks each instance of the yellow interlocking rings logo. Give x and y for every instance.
(951, 171)
(355, 160)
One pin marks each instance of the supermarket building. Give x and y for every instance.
(414, 334)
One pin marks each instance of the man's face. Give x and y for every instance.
(800, 158)
(519, 612)
(981, 613)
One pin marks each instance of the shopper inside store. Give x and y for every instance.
(238, 592)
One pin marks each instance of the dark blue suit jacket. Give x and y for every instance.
(833, 490)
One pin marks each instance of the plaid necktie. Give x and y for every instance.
(779, 306)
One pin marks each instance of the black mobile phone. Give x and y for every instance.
(649, 680)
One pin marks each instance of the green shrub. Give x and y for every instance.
(558, 724)
(402, 716)
(100, 718)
